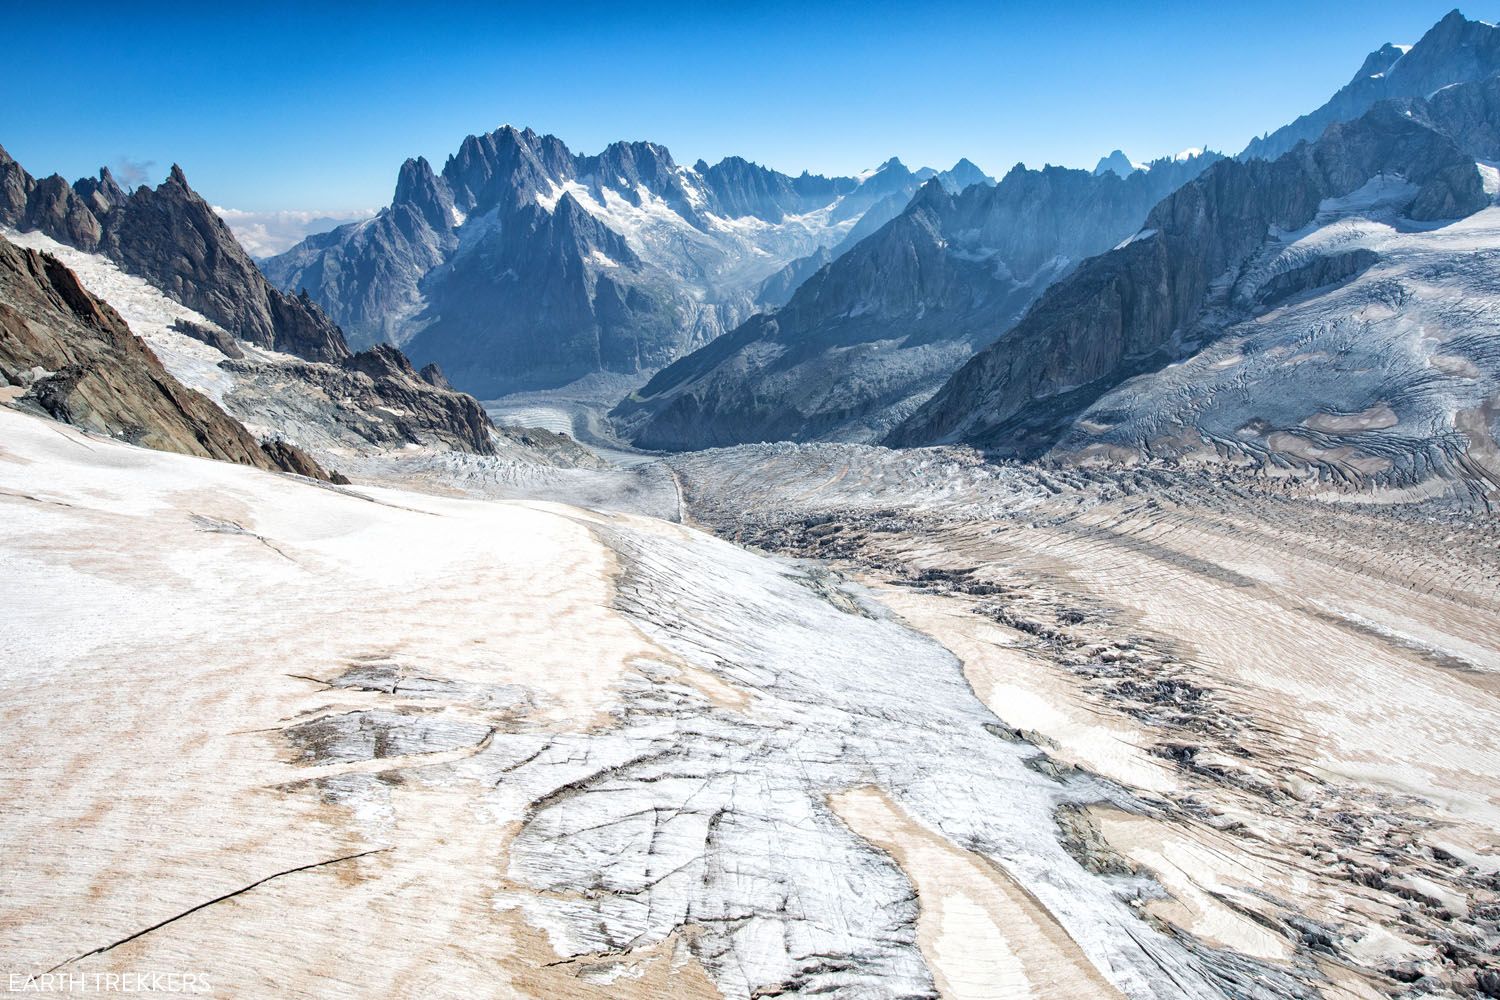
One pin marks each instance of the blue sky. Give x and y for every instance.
(277, 106)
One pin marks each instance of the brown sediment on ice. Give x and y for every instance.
(1377, 417)
(1301, 694)
(982, 934)
(1212, 890)
(250, 715)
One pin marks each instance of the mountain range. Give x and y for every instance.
(523, 265)
(763, 305)
(1300, 310)
(876, 330)
(1054, 310)
(863, 343)
(1455, 50)
(1076, 584)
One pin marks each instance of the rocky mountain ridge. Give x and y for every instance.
(172, 238)
(1455, 50)
(1198, 266)
(68, 354)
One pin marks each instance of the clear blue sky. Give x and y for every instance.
(271, 106)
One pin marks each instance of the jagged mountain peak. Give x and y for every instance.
(1380, 61)
(506, 165)
(932, 194)
(637, 149)
(418, 188)
(963, 174)
(1454, 50)
(508, 132)
(631, 164)
(1116, 163)
(1453, 23)
(101, 194)
(414, 173)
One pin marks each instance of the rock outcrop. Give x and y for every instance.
(413, 405)
(210, 335)
(74, 358)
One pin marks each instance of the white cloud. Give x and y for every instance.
(131, 174)
(265, 234)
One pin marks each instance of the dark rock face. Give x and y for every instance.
(1455, 50)
(433, 376)
(16, 186)
(171, 237)
(96, 374)
(1316, 273)
(777, 290)
(550, 312)
(225, 344)
(288, 457)
(1140, 306)
(523, 265)
(870, 335)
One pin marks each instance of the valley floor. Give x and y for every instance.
(915, 726)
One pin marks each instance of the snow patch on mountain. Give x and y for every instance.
(150, 315)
